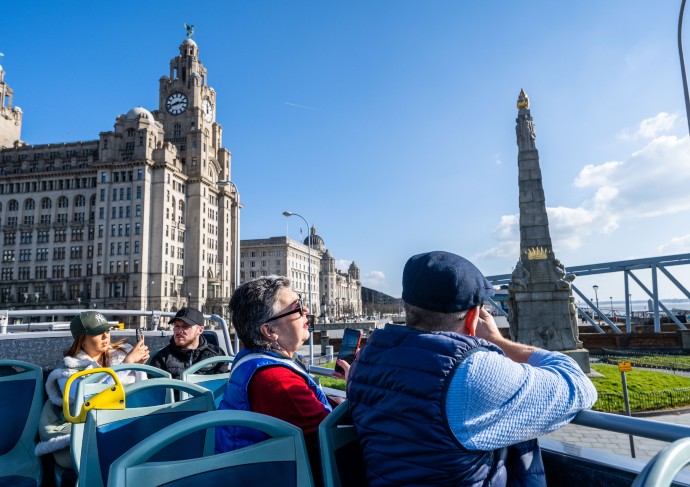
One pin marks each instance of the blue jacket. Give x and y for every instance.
(245, 365)
(397, 390)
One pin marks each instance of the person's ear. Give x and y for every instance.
(471, 321)
(267, 331)
(201, 329)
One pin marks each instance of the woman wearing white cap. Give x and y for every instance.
(90, 349)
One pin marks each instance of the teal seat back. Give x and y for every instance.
(284, 455)
(91, 385)
(21, 401)
(216, 383)
(109, 433)
(342, 461)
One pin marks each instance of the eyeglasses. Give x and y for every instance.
(299, 310)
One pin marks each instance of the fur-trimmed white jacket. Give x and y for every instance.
(53, 429)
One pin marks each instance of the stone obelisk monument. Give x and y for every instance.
(541, 306)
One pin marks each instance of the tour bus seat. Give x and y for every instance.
(284, 455)
(109, 433)
(91, 385)
(342, 462)
(216, 383)
(21, 401)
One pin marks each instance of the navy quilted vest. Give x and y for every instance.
(397, 389)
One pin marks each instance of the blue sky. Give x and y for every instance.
(390, 125)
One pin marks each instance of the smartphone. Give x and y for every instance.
(140, 334)
(348, 347)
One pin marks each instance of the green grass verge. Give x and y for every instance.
(647, 390)
(331, 382)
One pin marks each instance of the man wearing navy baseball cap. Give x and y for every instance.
(446, 399)
(188, 346)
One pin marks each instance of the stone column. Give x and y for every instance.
(541, 306)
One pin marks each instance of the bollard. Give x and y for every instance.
(329, 353)
(325, 339)
(4, 317)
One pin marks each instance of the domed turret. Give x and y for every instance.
(139, 112)
(316, 241)
(353, 271)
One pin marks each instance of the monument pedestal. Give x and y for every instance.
(581, 356)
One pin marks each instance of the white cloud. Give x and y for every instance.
(374, 279)
(592, 175)
(677, 245)
(652, 127)
(651, 182)
(342, 264)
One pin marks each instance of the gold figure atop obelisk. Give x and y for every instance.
(523, 100)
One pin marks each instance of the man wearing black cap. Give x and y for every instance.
(446, 400)
(188, 346)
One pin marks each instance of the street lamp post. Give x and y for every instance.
(596, 299)
(236, 240)
(148, 288)
(235, 230)
(311, 310)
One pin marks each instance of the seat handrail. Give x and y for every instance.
(165, 383)
(633, 426)
(663, 468)
(325, 371)
(208, 361)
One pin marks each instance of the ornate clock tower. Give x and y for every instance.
(187, 111)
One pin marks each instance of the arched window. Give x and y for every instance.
(63, 202)
(13, 205)
(29, 204)
(92, 201)
(130, 132)
(79, 200)
(46, 203)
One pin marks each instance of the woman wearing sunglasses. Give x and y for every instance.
(268, 376)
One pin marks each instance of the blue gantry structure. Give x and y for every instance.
(629, 270)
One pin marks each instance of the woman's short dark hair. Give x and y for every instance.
(252, 304)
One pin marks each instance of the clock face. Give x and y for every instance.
(176, 103)
(207, 109)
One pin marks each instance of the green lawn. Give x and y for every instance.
(639, 380)
(331, 382)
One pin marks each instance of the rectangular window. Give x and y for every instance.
(25, 255)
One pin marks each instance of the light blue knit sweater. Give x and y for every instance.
(494, 402)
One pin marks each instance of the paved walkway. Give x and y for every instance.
(617, 443)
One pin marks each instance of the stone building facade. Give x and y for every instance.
(333, 293)
(141, 218)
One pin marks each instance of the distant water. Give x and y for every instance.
(644, 305)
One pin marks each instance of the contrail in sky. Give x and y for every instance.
(301, 106)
